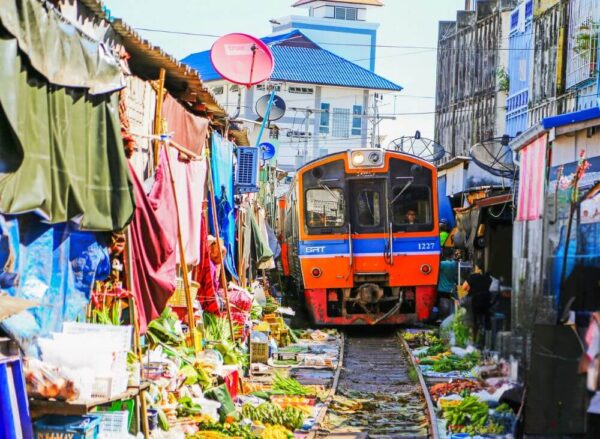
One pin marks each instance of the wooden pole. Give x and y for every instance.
(213, 204)
(158, 113)
(133, 317)
(184, 270)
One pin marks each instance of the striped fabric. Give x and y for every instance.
(531, 180)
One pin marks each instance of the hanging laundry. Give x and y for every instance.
(190, 175)
(222, 173)
(264, 255)
(62, 144)
(153, 244)
(208, 277)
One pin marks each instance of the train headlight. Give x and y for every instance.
(358, 158)
(316, 272)
(426, 269)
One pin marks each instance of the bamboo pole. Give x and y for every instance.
(218, 242)
(158, 113)
(186, 280)
(133, 317)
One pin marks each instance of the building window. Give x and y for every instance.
(264, 87)
(357, 120)
(341, 122)
(324, 125)
(301, 90)
(234, 88)
(218, 90)
(344, 13)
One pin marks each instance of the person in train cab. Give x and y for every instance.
(411, 216)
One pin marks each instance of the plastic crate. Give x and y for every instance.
(67, 427)
(259, 352)
(108, 387)
(122, 332)
(114, 423)
(178, 298)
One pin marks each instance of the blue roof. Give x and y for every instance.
(298, 59)
(569, 118)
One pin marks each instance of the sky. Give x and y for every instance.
(402, 23)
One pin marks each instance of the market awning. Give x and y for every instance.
(494, 200)
(59, 51)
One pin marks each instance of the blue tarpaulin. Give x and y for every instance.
(444, 206)
(55, 265)
(222, 173)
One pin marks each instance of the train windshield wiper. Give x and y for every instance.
(335, 196)
(406, 186)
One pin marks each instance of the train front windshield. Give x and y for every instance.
(402, 197)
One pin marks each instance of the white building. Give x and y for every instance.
(330, 101)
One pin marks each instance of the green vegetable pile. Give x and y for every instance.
(163, 330)
(453, 363)
(267, 413)
(471, 411)
(421, 338)
(289, 385)
(434, 349)
(232, 430)
(461, 331)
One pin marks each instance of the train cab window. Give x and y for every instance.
(411, 208)
(369, 209)
(325, 208)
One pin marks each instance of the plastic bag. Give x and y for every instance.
(46, 381)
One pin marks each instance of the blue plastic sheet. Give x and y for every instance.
(56, 265)
(445, 208)
(222, 173)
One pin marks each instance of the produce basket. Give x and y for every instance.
(108, 387)
(178, 297)
(67, 427)
(114, 423)
(259, 352)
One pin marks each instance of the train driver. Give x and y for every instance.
(411, 216)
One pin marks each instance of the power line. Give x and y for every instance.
(381, 46)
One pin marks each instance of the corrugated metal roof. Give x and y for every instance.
(298, 59)
(146, 61)
(354, 2)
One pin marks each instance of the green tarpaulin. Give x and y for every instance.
(61, 153)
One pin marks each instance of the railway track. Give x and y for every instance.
(379, 394)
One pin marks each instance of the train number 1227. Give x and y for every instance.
(426, 245)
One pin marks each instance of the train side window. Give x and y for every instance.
(369, 209)
(325, 208)
(412, 208)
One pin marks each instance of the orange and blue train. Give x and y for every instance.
(360, 237)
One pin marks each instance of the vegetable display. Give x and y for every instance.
(457, 387)
(470, 411)
(289, 385)
(268, 413)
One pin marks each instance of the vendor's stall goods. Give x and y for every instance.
(458, 387)
(288, 385)
(270, 414)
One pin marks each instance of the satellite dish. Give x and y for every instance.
(242, 59)
(267, 150)
(495, 156)
(418, 146)
(277, 108)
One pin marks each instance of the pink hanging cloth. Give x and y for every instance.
(153, 244)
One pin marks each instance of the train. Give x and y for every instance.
(360, 238)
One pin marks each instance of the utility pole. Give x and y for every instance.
(375, 119)
(306, 135)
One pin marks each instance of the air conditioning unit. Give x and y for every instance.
(246, 175)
